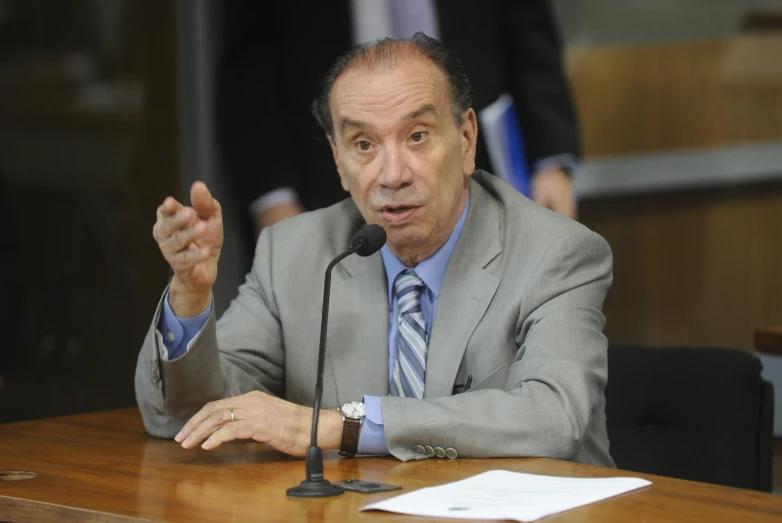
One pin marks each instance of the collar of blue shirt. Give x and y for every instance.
(431, 270)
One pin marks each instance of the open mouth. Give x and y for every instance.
(398, 210)
(398, 214)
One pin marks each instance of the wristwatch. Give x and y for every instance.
(352, 418)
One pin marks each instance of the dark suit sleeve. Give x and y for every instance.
(254, 141)
(533, 54)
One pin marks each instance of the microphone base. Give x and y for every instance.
(315, 489)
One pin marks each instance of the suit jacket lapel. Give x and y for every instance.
(357, 343)
(467, 290)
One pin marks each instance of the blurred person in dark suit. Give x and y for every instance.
(276, 52)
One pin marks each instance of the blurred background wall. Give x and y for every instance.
(681, 115)
(89, 141)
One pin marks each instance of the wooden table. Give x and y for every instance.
(769, 340)
(104, 467)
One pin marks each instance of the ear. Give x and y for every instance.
(335, 155)
(468, 133)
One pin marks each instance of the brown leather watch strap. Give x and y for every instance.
(351, 430)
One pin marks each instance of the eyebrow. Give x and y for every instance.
(424, 109)
(347, 122)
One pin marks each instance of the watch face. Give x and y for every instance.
(353, 410)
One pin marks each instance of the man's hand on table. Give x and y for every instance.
(282, 425)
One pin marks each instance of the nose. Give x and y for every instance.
(395, 173)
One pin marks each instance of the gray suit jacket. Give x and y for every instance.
(519, 311)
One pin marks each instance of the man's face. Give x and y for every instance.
(400, 153)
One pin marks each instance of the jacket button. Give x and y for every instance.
(419, 450)
(451, 453)
(439, 452)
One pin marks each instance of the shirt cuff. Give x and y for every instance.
(178, 332)
(566, 162)
(279, 196)
(373, 436)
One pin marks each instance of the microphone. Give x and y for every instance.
(365, 242)
(369, 240)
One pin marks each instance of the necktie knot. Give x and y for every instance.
(407, 282)
(408, 288)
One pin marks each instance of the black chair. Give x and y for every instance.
(701, 414)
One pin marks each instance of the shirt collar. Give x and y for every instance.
(431, 270)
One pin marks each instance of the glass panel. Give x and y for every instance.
(86, 95)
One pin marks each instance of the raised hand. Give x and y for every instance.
(190, 239)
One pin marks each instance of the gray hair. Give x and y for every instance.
(386, 51)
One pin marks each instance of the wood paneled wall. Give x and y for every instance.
(647, 98)
(693, 268)
(701, 269)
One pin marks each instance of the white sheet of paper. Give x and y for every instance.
(504, 495)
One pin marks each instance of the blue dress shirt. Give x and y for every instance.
(431, 271)
(178, 332)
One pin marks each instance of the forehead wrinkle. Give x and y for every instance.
(408, 73)
(359, 102)
(424, 109)
(382, 117)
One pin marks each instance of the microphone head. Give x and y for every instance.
(370, 239)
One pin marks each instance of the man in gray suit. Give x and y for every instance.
(475, 332)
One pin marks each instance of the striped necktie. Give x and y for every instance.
(409, 371)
